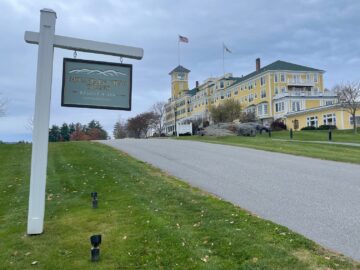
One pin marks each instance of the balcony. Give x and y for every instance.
(305, 94)
(300, 82)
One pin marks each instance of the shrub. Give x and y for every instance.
(247, 117)
(227, 111)
(327, 127)
(278, 125)
(309, 128)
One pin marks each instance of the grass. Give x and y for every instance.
(343, 153)
(320, 135)
(148, 220)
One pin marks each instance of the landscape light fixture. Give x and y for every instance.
(94, 199)
(95, 250)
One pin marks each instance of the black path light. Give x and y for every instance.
(94, 199)
(95, 250)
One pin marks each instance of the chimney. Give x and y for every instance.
(197, 84)
(257, 64)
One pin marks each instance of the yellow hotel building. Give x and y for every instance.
(293, 93)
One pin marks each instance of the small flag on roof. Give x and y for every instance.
(226, 49)
(183, 39)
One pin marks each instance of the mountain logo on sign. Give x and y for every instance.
(107, 73)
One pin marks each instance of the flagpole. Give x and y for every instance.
(223, 49)
(179, 51)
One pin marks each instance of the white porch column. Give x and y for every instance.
(41, 122)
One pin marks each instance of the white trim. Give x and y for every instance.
(84, 45)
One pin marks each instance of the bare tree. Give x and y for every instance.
(349, 96)
(30, 124)
(3, 103)
(120, 131)
(159, 113)
(140, 124)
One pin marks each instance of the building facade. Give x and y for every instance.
(280, 90)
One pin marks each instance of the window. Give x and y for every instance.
(329, 119)
(282, 77)
(276, 77)
(181, 76)
(251, 97)
(279, 107)
(357, 118)
(312, 121)
(265, 108)
(283, 90)
(308, 77)
(262, 80)
(329, 102)
(262, 109)
(236, 92)
(276, 90)
(263, 93)
(221, 84)
(295, 106)
(296, 78)
(316, 77)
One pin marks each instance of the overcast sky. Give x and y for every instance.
(316, 33)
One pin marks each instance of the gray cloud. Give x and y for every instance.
(320, 33)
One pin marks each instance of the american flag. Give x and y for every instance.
(183, 39)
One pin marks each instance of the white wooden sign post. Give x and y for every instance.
(47, 40)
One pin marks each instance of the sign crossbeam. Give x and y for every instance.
(84, 45)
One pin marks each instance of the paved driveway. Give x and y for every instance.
(319, 199)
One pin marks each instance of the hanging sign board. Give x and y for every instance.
(94, 84)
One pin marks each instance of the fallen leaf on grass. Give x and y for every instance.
(205, 259)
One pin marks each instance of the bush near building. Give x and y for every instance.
(228, 111)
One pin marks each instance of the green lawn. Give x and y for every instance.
(148, 220)
(319, 135)
(334, 152)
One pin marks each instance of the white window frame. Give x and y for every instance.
(316, 77)
(329, 116)
(263, 93)
(282, 77)
(357, 119)
(262, 80)
(311, 119)
(297, 107)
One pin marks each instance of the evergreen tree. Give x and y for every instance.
(54, 134)
(65, 132)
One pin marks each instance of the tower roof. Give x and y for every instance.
(179, 68)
